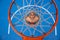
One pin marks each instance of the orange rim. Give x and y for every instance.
(33, 38)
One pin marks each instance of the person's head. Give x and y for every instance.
(32, 14)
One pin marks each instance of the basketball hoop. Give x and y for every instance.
(32, 17)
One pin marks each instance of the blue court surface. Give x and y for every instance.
(7, 33)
